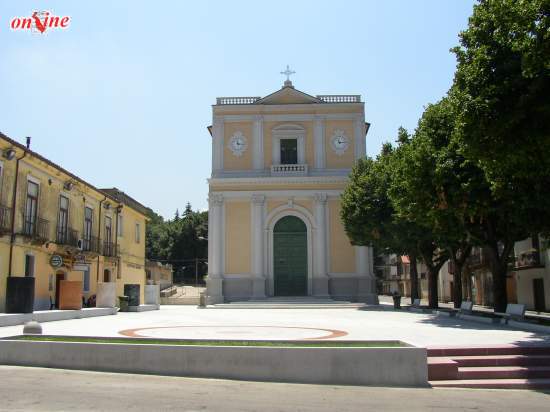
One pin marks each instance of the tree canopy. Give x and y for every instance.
(180, 241)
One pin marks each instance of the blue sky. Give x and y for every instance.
(123, 97)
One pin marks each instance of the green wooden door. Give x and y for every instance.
(290, 257)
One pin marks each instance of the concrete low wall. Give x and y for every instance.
(406, 366)
(532, 327)
(143, 308)
(106, 295)
(152, 294)
(184, 300)
(11, 319)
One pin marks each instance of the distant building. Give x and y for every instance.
(528, 279)
(158, 273)
(396, 276)
(55, 226)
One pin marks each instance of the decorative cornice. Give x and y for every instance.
(277, 180)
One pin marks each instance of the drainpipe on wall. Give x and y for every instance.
(13, 206)
(118, 210)
(99, 237)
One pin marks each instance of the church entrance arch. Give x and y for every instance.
(290, 257)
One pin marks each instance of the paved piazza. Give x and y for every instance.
(349, 324)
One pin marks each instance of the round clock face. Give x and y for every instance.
(238, 144)
(340, 142)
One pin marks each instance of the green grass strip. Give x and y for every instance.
(283, 344)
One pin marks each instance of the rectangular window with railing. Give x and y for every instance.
(108, 248)
(31, 209)
(289, 151)
(63, 220)
(88, 222)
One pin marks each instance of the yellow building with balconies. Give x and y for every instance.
(279, 166)
(55, 226)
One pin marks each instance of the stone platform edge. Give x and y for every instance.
(143, 308)
(12, 319)
(376, 366)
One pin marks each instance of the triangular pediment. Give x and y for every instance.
(288, 95)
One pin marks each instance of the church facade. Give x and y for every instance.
(279, 166)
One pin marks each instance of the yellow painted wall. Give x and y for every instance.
(342, 253)
(51, 182)
(230, 161)
(131, 275)
(346, 160)
(237, 237)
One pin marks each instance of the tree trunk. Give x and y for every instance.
(433, 297)
(414, 278)
(457, 284)
(500, 296)
(499, 270)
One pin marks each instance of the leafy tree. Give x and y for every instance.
(410, 173)
(432, 186)
(501, 89)
(180, 241)
(369, 217)
(188, 210)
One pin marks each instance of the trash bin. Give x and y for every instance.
(396, 301)
(123, 303)
(202, 300)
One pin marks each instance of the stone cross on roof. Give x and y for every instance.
(287, 73)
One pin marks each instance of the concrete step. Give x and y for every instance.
(494, 384)
(441, 368)
(290, 302)
(502, 360)
(504, 372)
(287, 306)
(185, 300)
(493, 350)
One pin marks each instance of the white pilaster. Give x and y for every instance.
(257, 246)
(258, 143)
(319, 142)
(216, 232)
(320, 276)
(217, 144)
(359, 136)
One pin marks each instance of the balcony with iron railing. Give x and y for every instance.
(477, 259)
(90, 244)
(66, 236)
(36, 228)
(5, 219)
(528, 259)
(340, 98)
(324, 98)
(110, 249)
(289, 170)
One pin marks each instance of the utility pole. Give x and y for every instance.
(196, 272)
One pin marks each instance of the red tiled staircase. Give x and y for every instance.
(494, 367)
